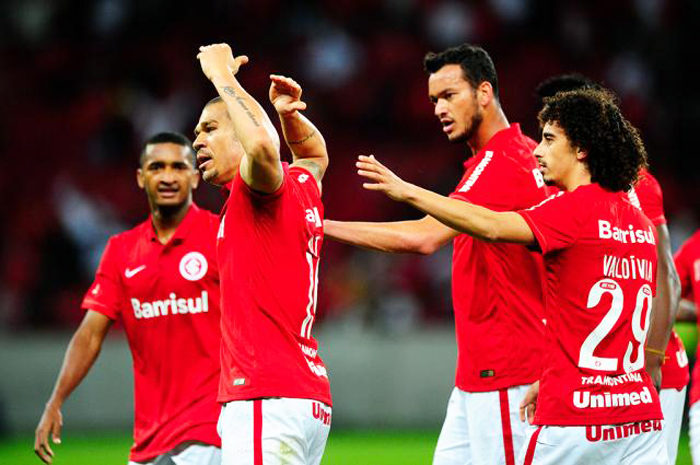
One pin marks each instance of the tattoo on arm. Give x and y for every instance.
(301, 141)
(241, 101)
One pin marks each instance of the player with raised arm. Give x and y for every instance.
(674, 371)
(496, 288)
(595, 402)
(274, 387)
(161, 281)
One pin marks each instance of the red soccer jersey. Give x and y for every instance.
(600, 258)
(268, 249)
(688, 265)
(167, 298)
(647, 195)
(497, 288)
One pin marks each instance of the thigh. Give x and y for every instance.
(318, 426)
(495, 431)
(274, 432)
(672, 405)
(453, 444)
(694, 424)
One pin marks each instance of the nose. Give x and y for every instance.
(538, 153)
(440, 108)
(198, 142)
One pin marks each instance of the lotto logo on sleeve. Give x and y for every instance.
(193, 266)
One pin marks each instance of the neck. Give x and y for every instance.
(167, 219)
(494, 121)
(578, 177)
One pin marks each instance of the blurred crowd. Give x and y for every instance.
(84, 83)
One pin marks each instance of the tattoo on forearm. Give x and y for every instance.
(241, 101)
(301, 141)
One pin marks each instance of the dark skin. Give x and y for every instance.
(168, 177)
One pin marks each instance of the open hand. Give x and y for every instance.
(50, 424)
(218, 60)
(383, 179)
(285, 95)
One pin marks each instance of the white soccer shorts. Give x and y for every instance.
(274, 431)
(672, 405)
(694, 420)
(482, 428)
(640, 443)
(188, 453)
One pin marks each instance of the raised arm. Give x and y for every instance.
(474, 220)
(303, 138)
(260, 167)
(82, 351)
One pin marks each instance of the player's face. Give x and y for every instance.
(455, 103)
(218, 150)
(167, 175)
(556, 156)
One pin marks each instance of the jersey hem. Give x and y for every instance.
(150, 455)
(224, 399)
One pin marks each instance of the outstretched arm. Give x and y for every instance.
(664, 306)
(423, 236)
(302, 137)
(82, 351)
(260, 168)
(474, 220)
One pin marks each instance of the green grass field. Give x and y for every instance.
(344, 448)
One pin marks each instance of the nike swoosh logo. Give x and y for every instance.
(131, 273)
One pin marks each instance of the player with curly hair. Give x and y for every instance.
(594, 399)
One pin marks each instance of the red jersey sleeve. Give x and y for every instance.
(684, 267)
(491, 183)
(105, 294)
(552, 229)
(651, 198)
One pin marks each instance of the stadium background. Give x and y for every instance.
(84, 83)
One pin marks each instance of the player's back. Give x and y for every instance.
(601, 269)
(269, 251)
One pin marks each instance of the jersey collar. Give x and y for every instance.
(182, 230)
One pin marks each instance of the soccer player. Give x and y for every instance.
(160, 280)
(496, 288)
(648, 196)
(274, 386)
(687, 261)
(596, 403)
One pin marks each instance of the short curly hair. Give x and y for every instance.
(593, 122)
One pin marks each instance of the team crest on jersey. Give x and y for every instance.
(193, 266)
(303, 178)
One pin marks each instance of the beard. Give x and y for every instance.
(471, 128)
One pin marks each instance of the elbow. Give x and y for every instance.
(263, 150)
(423, 245)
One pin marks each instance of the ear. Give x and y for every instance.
(140, 179)
(195, 179)
(484, 93)
(581, 154)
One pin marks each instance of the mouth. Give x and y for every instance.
(168, 192)
(203, 159)
(447, 125)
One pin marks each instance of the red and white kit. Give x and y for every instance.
(675, 373)
(497, 298)
(688, 265)
(269, 248)
(167, 298)
(600, 258)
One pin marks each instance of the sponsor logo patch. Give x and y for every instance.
(193, 266)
